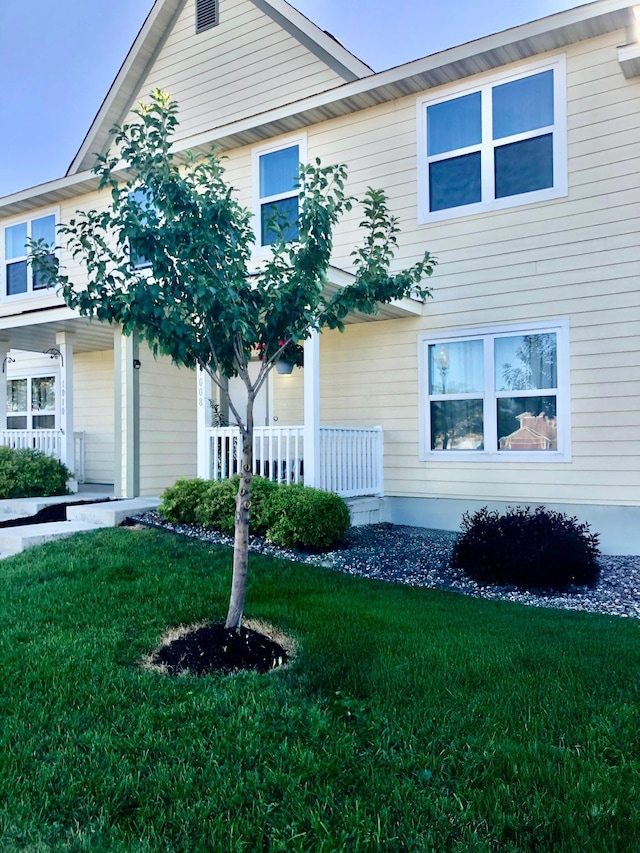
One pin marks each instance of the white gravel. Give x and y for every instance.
(419, 557)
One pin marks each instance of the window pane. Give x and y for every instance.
(17, 422)
(44, 229)
(455, 182)
(527, 423)
(43, 393)
(279, 171)
(526, 362)
(44, 421)
(38, 281)
(16, 278)
(456, 425)
(523, 105)
(456, 368)
(523, 167)
(282, 213)
(15, 239)
(454, 124)
(16, 395)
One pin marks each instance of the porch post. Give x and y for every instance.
(64, 342)
(203, 468)
(126, 480)
(312, 411)
(5, 346)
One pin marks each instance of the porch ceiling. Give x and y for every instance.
(37, 337)
(337, 279)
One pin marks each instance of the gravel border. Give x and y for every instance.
(419, 557)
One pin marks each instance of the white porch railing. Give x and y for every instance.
(48, 441)
(351, 458)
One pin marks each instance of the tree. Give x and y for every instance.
(170, 259)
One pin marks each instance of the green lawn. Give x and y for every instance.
(411, 720)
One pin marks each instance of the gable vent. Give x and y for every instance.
(206, 14)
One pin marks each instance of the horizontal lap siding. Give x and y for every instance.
(167, 423)
(93, 412)
(576, 257)
(241, 67)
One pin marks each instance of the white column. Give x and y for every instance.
(64, 342)
(126, 462)
(5, 346)
(312, 410)
(204, 421)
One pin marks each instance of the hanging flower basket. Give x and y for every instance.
(284, 367)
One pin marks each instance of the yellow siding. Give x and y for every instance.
(241, 67)
(94, 412)
(167, 423)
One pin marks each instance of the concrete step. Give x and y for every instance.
(23, 507)
(13, 540)
(111, 513)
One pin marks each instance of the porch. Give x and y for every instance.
(50, 442)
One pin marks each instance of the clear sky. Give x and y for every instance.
(58, 59)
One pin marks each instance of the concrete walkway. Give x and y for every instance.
(80, 519)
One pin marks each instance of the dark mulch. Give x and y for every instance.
(213, 648)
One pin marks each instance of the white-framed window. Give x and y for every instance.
(500, 393)
(31, 402)
(276, 189)
(17, 277)
(494, 145)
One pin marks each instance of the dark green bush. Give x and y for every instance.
(29, 473)
(179, 503)
(302, 517)
(292, 516)
(539, 549)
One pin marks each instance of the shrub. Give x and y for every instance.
(29, 473)
(302, 517)
(179, 503)
(539, 549)
(217, 509)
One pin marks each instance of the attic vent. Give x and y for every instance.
(206, 14)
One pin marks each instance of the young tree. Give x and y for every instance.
(170, 259)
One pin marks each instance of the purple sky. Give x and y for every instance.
(58, 59)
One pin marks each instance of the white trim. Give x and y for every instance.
(259, 151)
(29, 218)
(561, 392)
(485, 84)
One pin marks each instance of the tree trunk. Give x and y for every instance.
(241, 537)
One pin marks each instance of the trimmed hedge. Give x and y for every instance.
(292, 516)
(29, 473)
(539, 549)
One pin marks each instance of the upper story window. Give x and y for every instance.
(276, 190)
(31, 402)
(497, 394)
(18, 277)
(496, 145)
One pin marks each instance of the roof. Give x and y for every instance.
(368, 89)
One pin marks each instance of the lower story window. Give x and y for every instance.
(497, 394)
(31, 403)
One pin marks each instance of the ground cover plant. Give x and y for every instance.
(423, 721)
(531, 549)
(27, 473)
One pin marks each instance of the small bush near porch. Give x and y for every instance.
(27, 473)
(410, 720)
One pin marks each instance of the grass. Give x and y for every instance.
(412, 720)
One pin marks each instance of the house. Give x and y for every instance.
(513, 158)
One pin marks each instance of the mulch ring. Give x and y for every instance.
(204, 649)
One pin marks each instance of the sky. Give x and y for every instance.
(58, 59)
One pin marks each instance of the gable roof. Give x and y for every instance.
(150, 40)
(527, 40)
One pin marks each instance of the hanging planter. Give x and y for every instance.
(284, 367)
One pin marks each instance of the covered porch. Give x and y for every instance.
(344, 458)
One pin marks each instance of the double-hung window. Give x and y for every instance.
(497, 394)
(496, 145)
(276, 190)
(31, 402)
(18, 278)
